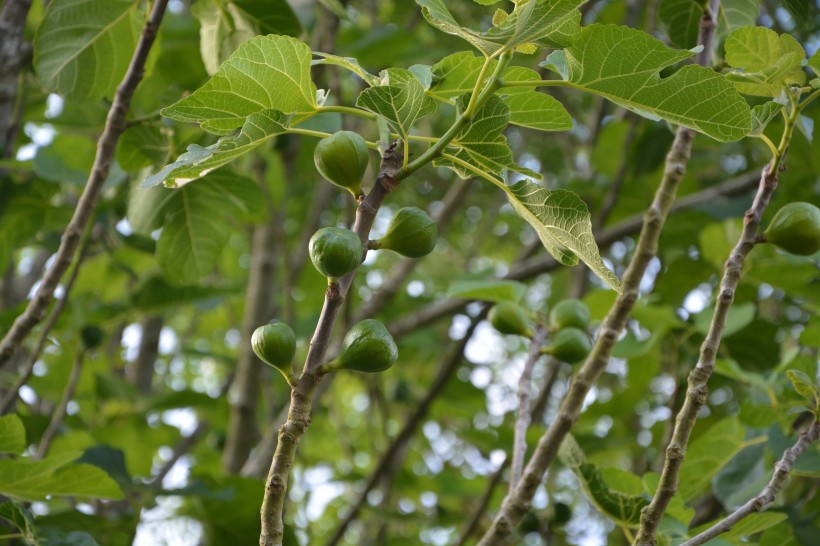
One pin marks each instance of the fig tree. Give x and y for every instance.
(335, 252)
(411, 233)
(510, 318)
(796, 229)
(569, 345)
(368, 347)
(342, 159)
(275, 344)
(569, 313)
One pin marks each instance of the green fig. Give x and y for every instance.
(510, 318)
(368, 347)
(411, 233)
(569, 313)
(569, 345)
(796, 229)
(342, 158)
(275, 344)
(335, 252)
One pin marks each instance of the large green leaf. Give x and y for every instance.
(623, 65)
(401, 102)
(737, 13)
(224, 24)
(195, 222)
(538, 111)
(57, 475)
(482, 143)
(563, 224)
(83, 47)
(709, 453)
(199, 161)
(12, 434)
(457, 74)
(265, 73)
(768, 61)
(545, 23)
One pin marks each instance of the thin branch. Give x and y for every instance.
(61, 410)
(140, 373)
(15, 53)
(524, 418)
(769, 493)
(302, 392)
(114, 127)
(697, 391)
(28, 369)
(182, 448)
(483, 504)
(448, 367)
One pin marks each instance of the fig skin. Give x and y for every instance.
(411, 233)
(342, 159)
(570, 345)
(796, 229)
(275, 345)
(335, 252)
(510, 318)
(569, 314)
(368, 348)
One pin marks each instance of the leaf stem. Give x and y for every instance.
(476, 171)
(348, 110)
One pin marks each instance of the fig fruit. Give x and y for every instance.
(796, 229)
(510, 318)
(569, 313)
(275, 344)
(569, 345)
(342, 159)
(368, 347)
(335, 252)
(411, 233)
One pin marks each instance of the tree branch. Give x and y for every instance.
(15, 53)
(106, 146)
(524, 418)
(769, 493)
(60, 411)
(697, 391)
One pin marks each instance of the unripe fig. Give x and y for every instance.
(342, 159)
(368, 347)
(275, 344)
(335, 252)
(569, 345)
(796, 229)
(509, 318)
(411, 233)
(569, 313)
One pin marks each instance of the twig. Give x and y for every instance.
(697, 391)
(483, 504)
(60, 411)
(183, 447)
(524, 418)
(448, 367)
(28, 369)
(141, 372)
(114, 126)
(769, 493)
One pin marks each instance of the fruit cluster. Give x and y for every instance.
(568, 323)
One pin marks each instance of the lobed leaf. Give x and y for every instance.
(401, 102)
(83, 47)
(708, 453)
(623, 65)
(545, 23)
(768, 61)
(12, 434)
(56, 475)
(265, 73)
